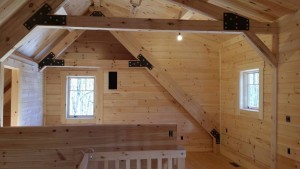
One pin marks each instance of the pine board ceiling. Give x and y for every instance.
(42, 39)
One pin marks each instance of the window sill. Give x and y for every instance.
(256, 114)
(250, 110)
(80, 118)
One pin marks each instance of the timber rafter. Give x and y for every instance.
(13, 32)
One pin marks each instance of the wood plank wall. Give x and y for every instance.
(97, 45)
(140, 98)
(289, 91)
(30, 92)
(32, 148)
(245, 140)
(193, 63)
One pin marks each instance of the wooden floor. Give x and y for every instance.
(209, 160)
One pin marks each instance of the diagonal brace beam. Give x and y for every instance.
(261, 48)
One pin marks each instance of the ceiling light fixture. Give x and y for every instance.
(179, 37)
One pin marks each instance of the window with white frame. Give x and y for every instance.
(80, 96)
(249, 90)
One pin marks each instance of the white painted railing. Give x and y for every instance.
(173, 159)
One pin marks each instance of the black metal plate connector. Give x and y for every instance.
(97, 13)
(49, 60)
(143, 62)
(235, 22)
(216, 135)
(41, 17)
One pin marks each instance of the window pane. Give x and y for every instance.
(81, 100)
(253, 96)
(250, 78)
(73, 83)
(256, 78)
(90, 84)
(81, 83)
(81, 103)
(249, 89)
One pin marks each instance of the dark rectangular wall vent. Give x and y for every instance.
(112, 80)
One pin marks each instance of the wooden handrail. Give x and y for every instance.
(175, 158)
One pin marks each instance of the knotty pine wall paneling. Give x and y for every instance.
(244, 139)
(139, 98)
(289, 92)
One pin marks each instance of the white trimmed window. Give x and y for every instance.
(80, 96)
(249, 90)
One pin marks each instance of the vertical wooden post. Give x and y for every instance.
(1, 92)
(117, 164)
(106, 164)
(274, 120)
(159, 163)
(170, 163)
(138, 163)
(127, 164)
(149, 163)
(275, 49)
(181, 163)
(15, 101)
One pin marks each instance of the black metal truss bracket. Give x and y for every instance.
(49, 60)
(235, 22)
(216, 135)
(41, 17)
(96, 13)
(143, 62)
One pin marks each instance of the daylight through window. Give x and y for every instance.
(80, 97)
(249, 89)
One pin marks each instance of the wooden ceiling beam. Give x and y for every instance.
(290, 4)
(9, 8)
(13, 31)
(20, 55)
(161, 25)
(261, 48)
(269, 6)
(64, 43)
(161, 75)
(186, 14)
(243, 9)
(93, 63)
(201, 7)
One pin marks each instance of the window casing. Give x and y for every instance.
(250, 97)
(80, 97)
(249, 90)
